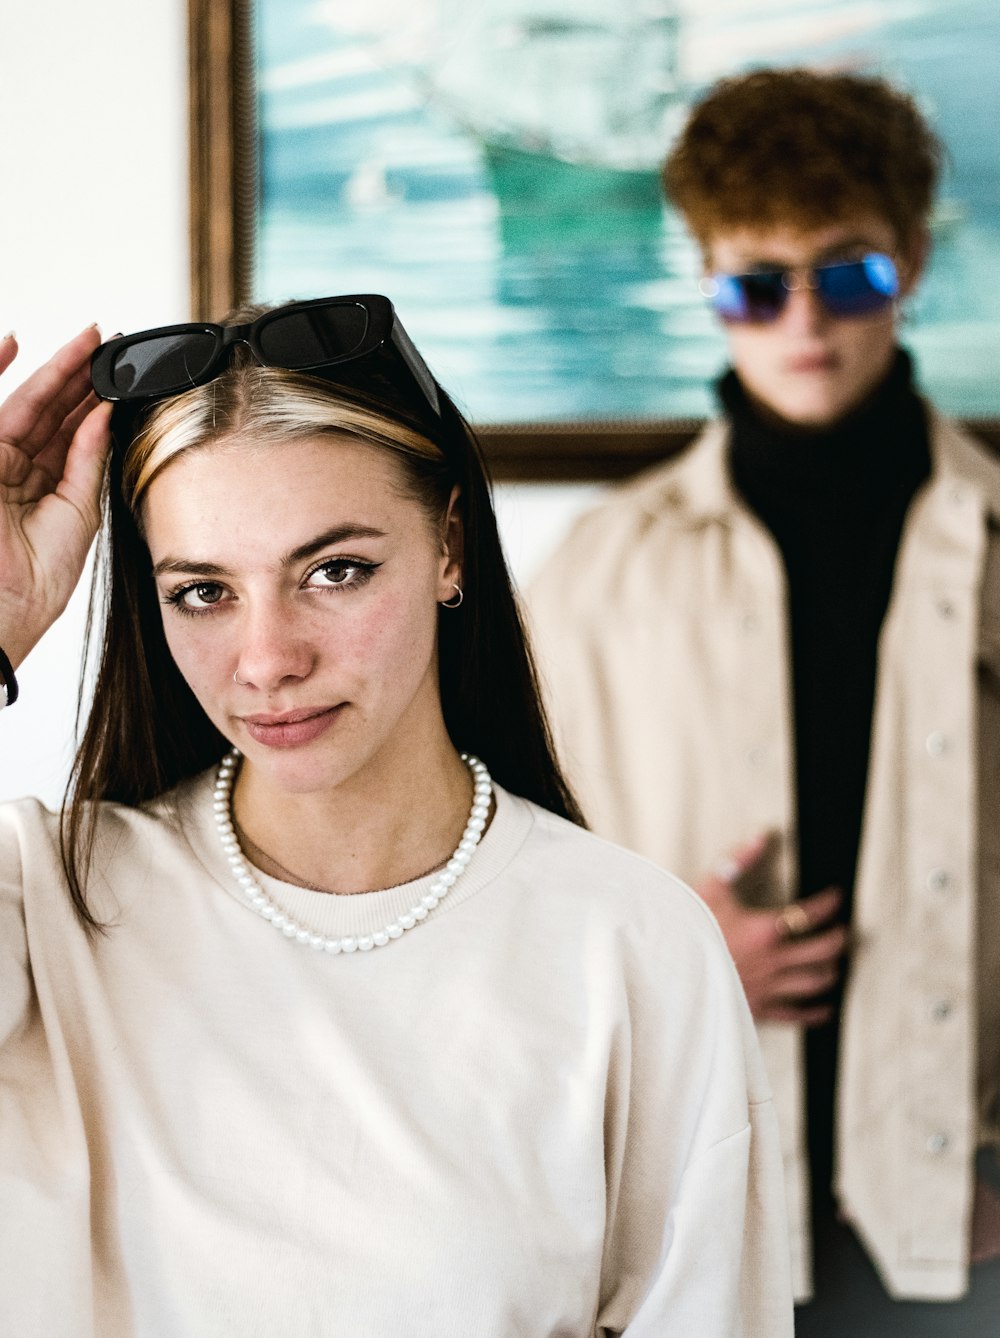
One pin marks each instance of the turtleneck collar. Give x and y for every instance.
(859, 462)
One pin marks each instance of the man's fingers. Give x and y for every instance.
(34, 411)
(806, 983)
(718, 883)
(817, 949)
(801, 918)
(821, 907)
(807, 1016)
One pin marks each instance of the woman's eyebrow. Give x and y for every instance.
(338, 534)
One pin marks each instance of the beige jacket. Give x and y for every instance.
(662, 638)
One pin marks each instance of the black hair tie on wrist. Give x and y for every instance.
(9, 681)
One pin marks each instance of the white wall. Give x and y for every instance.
(93, 163)
(93, 166)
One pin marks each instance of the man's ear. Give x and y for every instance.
(913, 258)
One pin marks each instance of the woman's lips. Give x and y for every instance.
(291, 728)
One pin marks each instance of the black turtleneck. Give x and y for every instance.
(835, 501)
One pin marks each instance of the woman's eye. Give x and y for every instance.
(341, 574)
(193, 598)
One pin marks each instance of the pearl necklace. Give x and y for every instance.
(257, 899)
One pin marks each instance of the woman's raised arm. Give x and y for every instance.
(53, 447)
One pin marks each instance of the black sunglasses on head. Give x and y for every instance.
(314, 337)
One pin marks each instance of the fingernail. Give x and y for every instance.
(10, 335)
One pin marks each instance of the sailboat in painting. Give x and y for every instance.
(572, 101)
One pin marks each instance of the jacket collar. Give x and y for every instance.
(695, 488)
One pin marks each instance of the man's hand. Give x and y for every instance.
(787, 959)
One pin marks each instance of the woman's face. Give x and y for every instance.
(306, 570)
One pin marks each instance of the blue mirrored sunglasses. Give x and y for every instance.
(845, 288)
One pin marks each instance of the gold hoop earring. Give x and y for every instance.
(456, 598)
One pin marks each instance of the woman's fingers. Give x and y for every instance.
(34, 412)
(8, 351)
(52, 457)
(83, 473)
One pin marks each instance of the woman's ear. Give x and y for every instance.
(452, 544)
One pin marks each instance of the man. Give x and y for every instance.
(774, 667)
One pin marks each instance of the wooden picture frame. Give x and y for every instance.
(223, 199)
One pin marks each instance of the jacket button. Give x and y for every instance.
(938, 880)
(937, 743)
(937, 1143)
(941, 1010)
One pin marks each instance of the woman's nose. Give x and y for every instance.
(273, 652)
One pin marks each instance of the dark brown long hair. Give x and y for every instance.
(146, 731)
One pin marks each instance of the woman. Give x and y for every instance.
(492, 1076)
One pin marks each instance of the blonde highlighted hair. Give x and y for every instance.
(267, 405)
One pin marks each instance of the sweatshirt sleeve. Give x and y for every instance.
(696, 1238)
(15, 972)
(724, 1273)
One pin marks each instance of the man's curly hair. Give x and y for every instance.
(804, 148)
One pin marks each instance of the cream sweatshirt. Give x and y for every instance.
(539, 1113)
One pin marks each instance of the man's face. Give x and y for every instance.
(807, 367)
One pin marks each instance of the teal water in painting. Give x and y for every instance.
(541, 290)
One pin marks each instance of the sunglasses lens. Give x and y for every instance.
(314, 336)
(744, 298)
(162, 364)
(859, 288)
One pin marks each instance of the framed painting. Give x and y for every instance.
(495, 168)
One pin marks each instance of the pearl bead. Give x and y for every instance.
(258, 900)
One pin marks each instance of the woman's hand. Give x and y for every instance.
(53, 447)
(787, 960)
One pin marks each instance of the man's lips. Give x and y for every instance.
(289, 729)
(818, 361)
